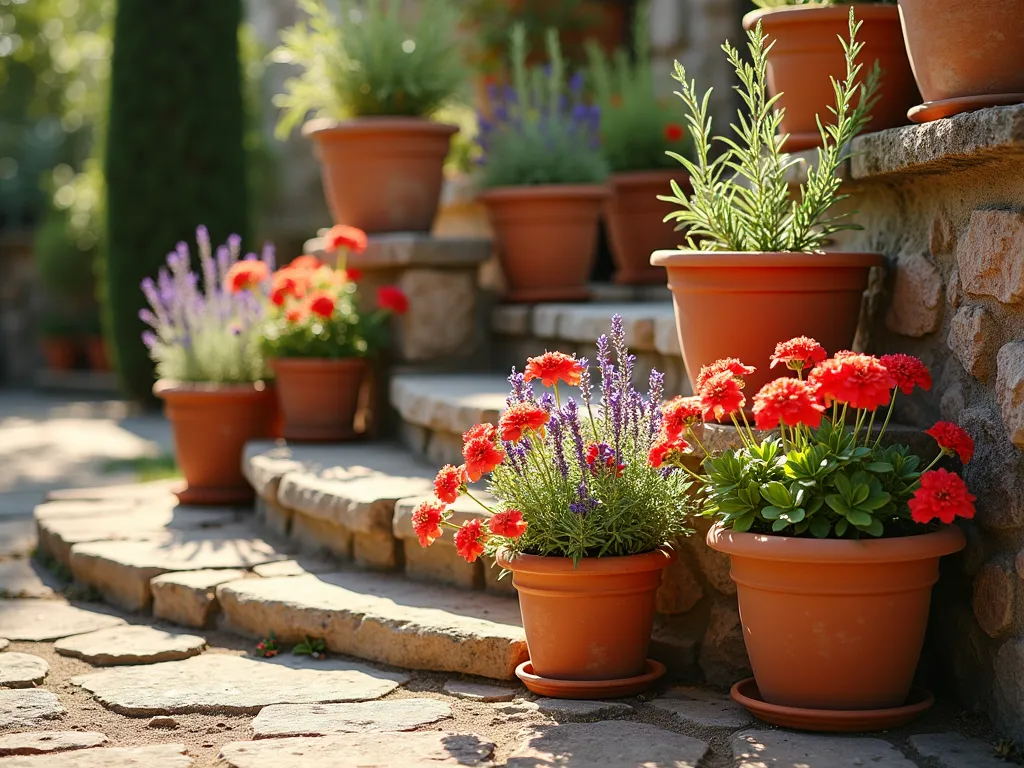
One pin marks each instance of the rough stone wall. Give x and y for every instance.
(952, 231)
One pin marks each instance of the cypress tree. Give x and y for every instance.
(175, 154)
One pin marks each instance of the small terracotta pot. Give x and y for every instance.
(966, 55)
(60, 352)
(741, 305)
(546, 238)
(834, 624)
(591, 621)
(635, 219)
(319, 397)
(382, 174)
(96, 353)
(211, 425)
(807, 51)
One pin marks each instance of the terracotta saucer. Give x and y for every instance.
(211, 496)
(933, 110)
(590, 689)
(831, 720)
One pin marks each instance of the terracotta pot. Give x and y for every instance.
(319, 397)
(546, 237)
(382, 174)
(635, 217)
(807, 51)
(60, 352)
(96, 353)
(211, 425)
(834, 624)
(965, 54)
(741, 305)
(592, 621)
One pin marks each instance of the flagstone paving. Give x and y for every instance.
(156, 756)
(951, 750)
(28, 708)
(42, 742)
(130, 645)
(322, 719)
(4, 643)
(39, 620)
(786, 749)
(478, 691)
(606, 744)
(25, 577)
(581, 708)
(21, 670)
(703, 708)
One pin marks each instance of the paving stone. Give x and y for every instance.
(130, 645)
(22, 670)
(585, 323)
(17, 536)
(360, 750)
(122, 570)
(951, 750)
(24, 577)
(223, 683)
(703, 708)
(162, 721)
(152, 756)
(39, 620)
(136, 492)
(323, 719)
(782, 749)
(582, 708)
(383, 618)
(190, 597)
(299, 567)
(478, 691)
(42, 742)
(449, 402)
(28, 708)
(4, 643)
(606, 744)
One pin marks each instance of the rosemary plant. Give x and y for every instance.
(740, 199)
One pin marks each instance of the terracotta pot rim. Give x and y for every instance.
(208, 389)
(654, 174)
(546, 191)
(359, 125)
(768, 260)
(589, 566)
(945, 541)
(794, 14)
(317, 362)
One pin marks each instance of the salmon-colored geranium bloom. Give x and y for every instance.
(552, 367)
(288, 283)
(798, 354)
(297, 314)
(731, 364)
(426, 522)
(908, 372)
(787, 400)
(953, 438)
(349, 238)
(721, 396)
(679, 413)
(450, 481)
(667, 449)
(482, 456)
(469, 540)
(509, 523)
(522, 417)
(942, 495)
(305, 263)
(245, 275)
(860, 380)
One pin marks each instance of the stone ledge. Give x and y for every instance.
(585, 323)
(412, 249)
(449, 402)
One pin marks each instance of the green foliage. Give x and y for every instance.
(146, 469)
(367, 60)
(176, 155)
(64, 267)
(633, 119)
(542, 132)
(740, 199)
(347, 333)
(313, 647)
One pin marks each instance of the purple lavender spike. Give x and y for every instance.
(655, 394)
(149, 339)
(555, 427)
(572, 421)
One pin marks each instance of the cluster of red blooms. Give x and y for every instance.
(861, 382)
(482, 453)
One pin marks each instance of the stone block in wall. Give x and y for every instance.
(1008, 669)
(273, 516)
(680, 588)
(916, 307)
(495, 584)
(972, 339)
(942, 235)
(996, 473)
(991, 256)
(994, 599)
(723, 654)
(317, 537)
(1010, 389)
(713, 565)
(377, 550)
(441, 564)
(954, 293)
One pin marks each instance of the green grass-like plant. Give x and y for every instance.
(740, 199)
(367, 60)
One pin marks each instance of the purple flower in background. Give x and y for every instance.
(571, 414)
(557, 440)
(547, 402)
(655, 394)
(585, 503)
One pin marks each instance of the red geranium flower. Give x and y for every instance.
(908, 372)
(860, 380)
(679, 413)
(245, 275)
(426, 521)
(485, 430)
(306, 263)
(449, 482)
(297, 314)
(731, 364)
(603, 455)
(674, 132)
(552, 367)
(798, 354)
(341, 236)
(392, 299)
(509, 523)
(788, 400)
(519, 418)
(952, 438)
(468, 540)
(482, 456)
(942, 495)
(667, 449)
(322, 303)
(354, 275)
(720, 395)
(287, 283)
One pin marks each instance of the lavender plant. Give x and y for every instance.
(199, 330)
(541, 130)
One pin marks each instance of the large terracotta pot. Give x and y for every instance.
(965, 54)
(211, 425)
(807, 51)
(834, 624)
(741, 305)
(591, 621)
(319, 397)
(635, 219)
(382, 174)
(546, 238)
(60, 352)
(96, 353)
